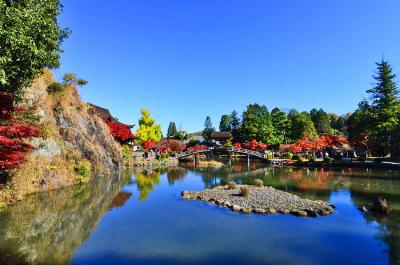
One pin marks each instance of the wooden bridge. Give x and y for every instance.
(230, 150)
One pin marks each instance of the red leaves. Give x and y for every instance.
(237, 145)
(171, 145)
(19, 130)
(325, 141)
(149, 145)
(13, 147)
(197, 148)
(119, 131)
(255, 146)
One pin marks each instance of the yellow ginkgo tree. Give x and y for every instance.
(148, 129)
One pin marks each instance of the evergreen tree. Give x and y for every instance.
(360, 124)
(148, 129)
(208, 129)
(235, 126)
(280, 122)
(338, 123)
(301, 125)
(385, 107)
(171, 129)
(225, 123)
(321, 120)
(257, 124)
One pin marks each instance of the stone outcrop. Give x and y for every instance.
(261, 200)
(76, 145)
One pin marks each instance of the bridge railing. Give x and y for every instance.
(247, 151)
(229, 149)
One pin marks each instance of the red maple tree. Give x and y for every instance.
(171, 145)
(13, 134)
(119, 131)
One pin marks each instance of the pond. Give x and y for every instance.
(138, 217)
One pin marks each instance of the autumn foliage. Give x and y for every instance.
(254, 145)
(326, 141)
(119, 131)
(171, 146)
(13, 134)
(147, 145)
(197, 148)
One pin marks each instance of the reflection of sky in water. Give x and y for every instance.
(163, 229)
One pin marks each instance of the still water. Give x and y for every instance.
(139, 218)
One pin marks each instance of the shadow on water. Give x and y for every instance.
(49, 228)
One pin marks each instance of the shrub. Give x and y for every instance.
(245, 191)
(228, 143)
(295, 157)
(288, 155)
(126, 152)
(232, 185)
(259, 183)
(194, 142)
(164, 155)
(82, 171)
(55, 88)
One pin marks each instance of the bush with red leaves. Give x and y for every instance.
(171, 145)
(237, 145)
(151, 144)
(255, 146)
(324, 142)
(197, 148)
(119, 131)
(13, 134)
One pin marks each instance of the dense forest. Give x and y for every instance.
(374, 124)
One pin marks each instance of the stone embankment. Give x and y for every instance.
(262, 200)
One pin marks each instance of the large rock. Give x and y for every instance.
(381, 205)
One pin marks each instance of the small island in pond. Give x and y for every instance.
(260, 199)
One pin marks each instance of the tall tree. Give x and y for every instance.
(148, 129)
(301, 125)
(30, 40)
(225, 123)
(338, 123)
(235, 126)
(171, 129)
(257, 124)
(321, 120)
(360, 124)
(385, 105)
(280, 122)
(208, 129)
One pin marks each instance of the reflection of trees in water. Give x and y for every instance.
(176, 174)
(363, 192)
(389, 233)
(45, 228)
(146, 180)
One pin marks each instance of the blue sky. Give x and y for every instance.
(186, 59)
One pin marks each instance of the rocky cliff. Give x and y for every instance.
(75, 145)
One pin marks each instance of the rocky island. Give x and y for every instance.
(260, 199)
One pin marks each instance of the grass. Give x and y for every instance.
(245, 191)
(232, 185)
(259, 183)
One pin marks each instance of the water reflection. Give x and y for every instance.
(54, 227)
(146, 180)
(46, 228)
